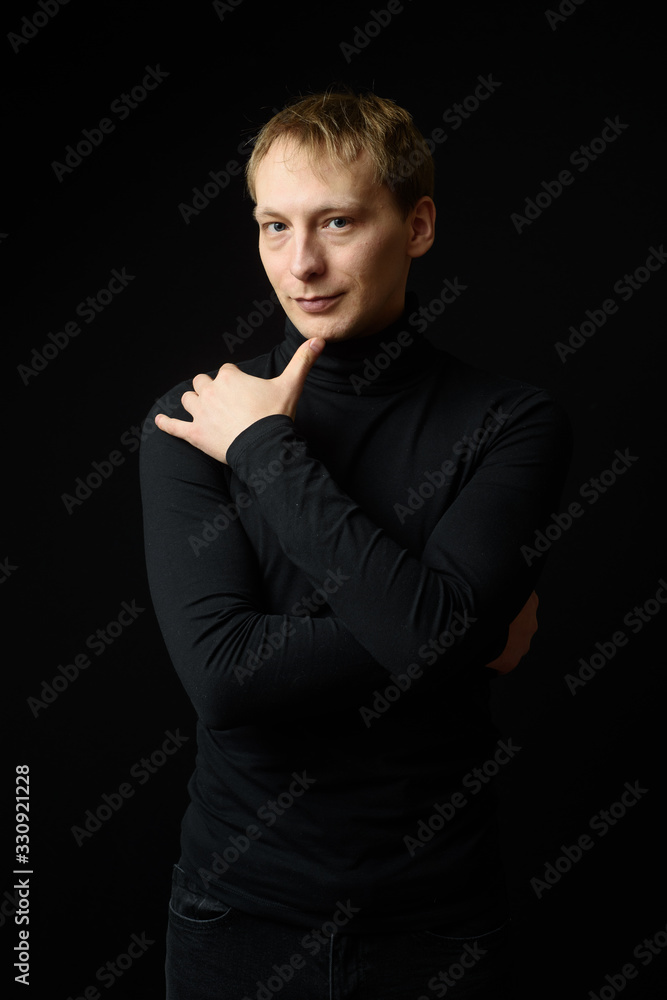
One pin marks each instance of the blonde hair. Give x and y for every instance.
(342, 125)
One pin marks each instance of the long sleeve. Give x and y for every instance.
(238, 663)
(376, 537)
(441, 608)
(471, 573)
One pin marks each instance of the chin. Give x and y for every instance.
(330, 331)
(326, 327)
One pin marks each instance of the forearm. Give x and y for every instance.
(455, 600)
(242, 667)
(442, 608)
(396, 606)
(239, 663)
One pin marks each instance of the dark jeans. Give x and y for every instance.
(215, 952)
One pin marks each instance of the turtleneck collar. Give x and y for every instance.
(392, 359)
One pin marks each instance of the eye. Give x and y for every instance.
(338, 223)
(276, 224)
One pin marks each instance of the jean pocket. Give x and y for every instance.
(190, 903)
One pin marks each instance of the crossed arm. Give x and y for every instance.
(224, 407)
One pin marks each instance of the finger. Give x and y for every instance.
(302, 361)
(189, 401)
(226, 369)
(172, 426)
(199, 381)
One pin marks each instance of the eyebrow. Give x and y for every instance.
(342, 208)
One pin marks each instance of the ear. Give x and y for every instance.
(421, 227)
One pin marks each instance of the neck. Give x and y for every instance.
(367, 365)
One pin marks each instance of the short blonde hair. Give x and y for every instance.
(343, 125)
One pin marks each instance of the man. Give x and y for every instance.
(333, 540)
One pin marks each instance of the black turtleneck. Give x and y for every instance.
(329, 599)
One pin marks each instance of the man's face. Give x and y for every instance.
(333, 243)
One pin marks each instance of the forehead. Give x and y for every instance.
(288, 172)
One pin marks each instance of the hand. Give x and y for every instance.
(223, 406)
(521, 631)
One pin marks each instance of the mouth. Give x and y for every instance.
(317, 303)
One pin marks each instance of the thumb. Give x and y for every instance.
(303, 360)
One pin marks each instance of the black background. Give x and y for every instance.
(68, 571)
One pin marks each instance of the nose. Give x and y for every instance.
(307, 256)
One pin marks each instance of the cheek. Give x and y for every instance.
(265, 259)
(271, 265)
(373, 265)
(359, 260)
